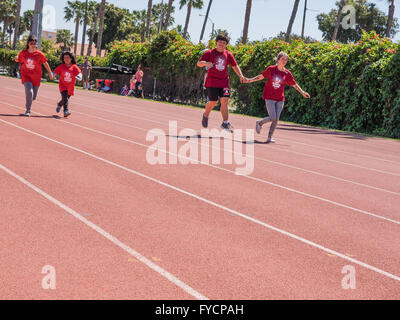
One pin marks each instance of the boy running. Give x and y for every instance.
(217, 85)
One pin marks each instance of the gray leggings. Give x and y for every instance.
(274, 109)
(30, 94)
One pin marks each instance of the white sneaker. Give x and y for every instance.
(258, 127)
(270, 140)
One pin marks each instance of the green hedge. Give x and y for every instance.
(354, 87)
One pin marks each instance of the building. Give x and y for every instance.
(49, 35)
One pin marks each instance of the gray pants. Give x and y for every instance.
(274, 109)
(30, 94)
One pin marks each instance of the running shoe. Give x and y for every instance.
(204, 121)
(58, 107)
(270, 140)
(227, 126)
(258, 127)
(67, 114)
(27, 114)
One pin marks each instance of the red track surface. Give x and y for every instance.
(317, 201)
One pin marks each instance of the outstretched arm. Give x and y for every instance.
(202, 64)
(256, 78)
(303, 93)
(46, 65)
(238, 72)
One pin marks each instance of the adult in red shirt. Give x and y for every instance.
(31, 60)
(274, 91)
(68, 72)
(217, 85)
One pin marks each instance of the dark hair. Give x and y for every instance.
(222, 37)
(67, 53)
(30, 38)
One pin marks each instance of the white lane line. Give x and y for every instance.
(245, 176)
(190, 120)
(281, 231)
(170, 277)
(222, 149)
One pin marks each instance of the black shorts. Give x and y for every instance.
(214, 93)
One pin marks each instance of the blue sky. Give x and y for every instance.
(268, 17)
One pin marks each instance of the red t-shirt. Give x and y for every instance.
(217, 76)
(31, 66)
(67, 77)
(275, 87)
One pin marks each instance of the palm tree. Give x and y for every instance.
(149, 6)
(65, 37)
(246, 22)
(339, 17)
(291, 21)
(93, 14)
(74, 11)
(7, 10)
(390, 18)
(198, 4)
(17, 23)
(85, 22)
(101, 27)
(168, 14)
(205, 19)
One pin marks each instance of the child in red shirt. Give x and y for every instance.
(68, 72)
(31, 60)
(274, 91)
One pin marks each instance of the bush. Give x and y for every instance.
(354, 87)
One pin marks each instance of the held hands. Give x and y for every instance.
(51, 76)
(16, 59)
(243, 79)
(208, 65)
(306, 95)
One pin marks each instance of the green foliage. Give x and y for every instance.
(353, 87)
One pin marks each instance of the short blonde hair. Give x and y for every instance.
(280, 55)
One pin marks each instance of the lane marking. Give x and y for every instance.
(281, 231)
(110, 237)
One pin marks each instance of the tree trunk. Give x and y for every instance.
(390, 19)
(205, 20)
(149, 6)
(101, 26)
(291, 21)
(168, 15)
(189, 10)
(84, 29)
(246, 22)
(92, 32)
(339, 17)
(17, 23)
(76, 35)
(5, 27)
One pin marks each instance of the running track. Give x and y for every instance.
(79, 195)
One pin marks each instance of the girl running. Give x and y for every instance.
(274, 91)
(68, 72)
(31, 60)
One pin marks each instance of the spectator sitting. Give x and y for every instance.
(139, 92)
(124, 90)
(92, 85)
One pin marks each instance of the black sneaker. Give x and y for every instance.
(227, 126)
(204, 121)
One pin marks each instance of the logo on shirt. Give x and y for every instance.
(277, 82)
(30, 64)
(67, 77)
(220, 64)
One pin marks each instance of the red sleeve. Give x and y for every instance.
(290, 79)
(206, 56)
(43, 58)
(267, 73)
(58, 69)
(231, 60)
